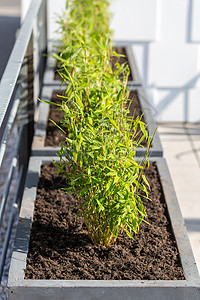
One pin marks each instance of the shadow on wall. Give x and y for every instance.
(8, 27)
(181, 131)
(166, 101)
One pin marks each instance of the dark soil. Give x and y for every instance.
(54, 135)
(120, 60)
(61, 248)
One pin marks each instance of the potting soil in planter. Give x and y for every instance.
(54, 135)
(121, 60)
(60, 248)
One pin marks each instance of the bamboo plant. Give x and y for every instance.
(100, 137)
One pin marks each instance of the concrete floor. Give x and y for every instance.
(9, 23)
(181, 145)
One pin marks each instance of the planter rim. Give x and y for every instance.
(133, 67)
(103, 283)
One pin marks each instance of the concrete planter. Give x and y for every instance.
(21, 289)
(132, 64)
(49, 85)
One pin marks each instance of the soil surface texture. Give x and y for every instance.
(54, 135)
(62, 249)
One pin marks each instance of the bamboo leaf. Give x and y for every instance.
(50, 102)
(115, 125)
(57, 126)
(129, 234)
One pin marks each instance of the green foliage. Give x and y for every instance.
(101, 138)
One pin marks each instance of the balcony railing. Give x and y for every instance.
(19, 89)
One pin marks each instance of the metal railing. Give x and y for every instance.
(19, 89)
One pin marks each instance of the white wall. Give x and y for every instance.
(54, 8)
(165, 35)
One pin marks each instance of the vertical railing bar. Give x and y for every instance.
(9, 125)
(7, 187)
(10, 224)
(7, 238)
(42, 43)
(45, 26)
(11, 92)
(9, 179)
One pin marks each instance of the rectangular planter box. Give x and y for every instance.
(38, 147)
(20, 289)
(50, 84)
(131, 61)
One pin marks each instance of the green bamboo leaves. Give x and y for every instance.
(101, 139)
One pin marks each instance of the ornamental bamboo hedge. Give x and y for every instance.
(98, 156)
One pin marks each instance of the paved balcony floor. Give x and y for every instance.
(9, 23)
(181, 145)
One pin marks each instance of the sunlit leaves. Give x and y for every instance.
(101, 139)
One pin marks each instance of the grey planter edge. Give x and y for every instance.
(156, 149)
(133, 68)
(136, 84)
(20, 289)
